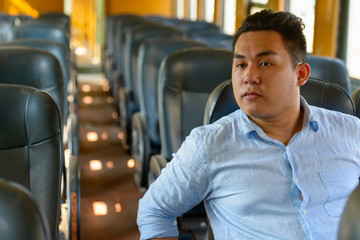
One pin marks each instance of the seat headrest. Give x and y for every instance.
(32, 67)
(330, 69)
(179, 69)
(22, 109)
(316, 92)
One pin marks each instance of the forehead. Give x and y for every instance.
(259, 41)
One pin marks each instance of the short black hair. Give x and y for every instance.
(288, 25)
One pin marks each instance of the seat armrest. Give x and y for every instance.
(140, 149)
(157, 163)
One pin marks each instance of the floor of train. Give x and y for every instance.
(109, 198)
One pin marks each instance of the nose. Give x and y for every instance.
(251, 75)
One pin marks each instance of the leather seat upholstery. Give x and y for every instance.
(35, 68)
(23, 219)
(128, 96)
(186, 79)
(145, 124)
(330, 69)
(31, 145)
(212, 38)
(316, 92)
(350, 220)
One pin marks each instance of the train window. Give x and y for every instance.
(353, 39)
(257, 5)
(180, 9)
(209, 10)
(306, 10)
(229, 16)
(193, 5)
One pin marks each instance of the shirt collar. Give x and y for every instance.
(310, 120)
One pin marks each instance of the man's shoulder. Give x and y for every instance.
(326, 115)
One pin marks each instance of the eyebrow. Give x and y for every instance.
(262, 54)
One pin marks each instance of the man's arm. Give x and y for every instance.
(182, 184)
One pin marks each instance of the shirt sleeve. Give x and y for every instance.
(182, 184)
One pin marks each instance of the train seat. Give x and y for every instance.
(24, 219)
(355, 96)
(186, 79)
(128, 94)
(6, 31)
(212, 38)
(40, 69)
(188, 27)
(350, 221)
(145, 124)
(30, 146)
(330, 69)
(115, 34)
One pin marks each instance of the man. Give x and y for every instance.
(276, 169)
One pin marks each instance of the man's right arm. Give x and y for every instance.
(182, 184)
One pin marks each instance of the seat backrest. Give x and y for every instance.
(43, 29)
(330, 69)
(31, 146)
(151, 53)
(23, 219)
(316, 92)
(134, 38)
(188, 27)
(6, 31)
(35, 68)
(212, 38)
(55, 48)
(350, 219)
(186, 79)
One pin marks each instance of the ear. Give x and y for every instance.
(303, 71)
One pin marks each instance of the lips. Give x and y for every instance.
(251, 95)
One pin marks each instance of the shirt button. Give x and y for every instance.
(288, 148)
(296, 181)
(304, 212)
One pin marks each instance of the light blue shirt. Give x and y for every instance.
(250, 182)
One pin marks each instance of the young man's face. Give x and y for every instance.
(266, 86)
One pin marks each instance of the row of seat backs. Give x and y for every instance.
(31, 146)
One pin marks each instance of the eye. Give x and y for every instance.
(241, 65)
(265, 64)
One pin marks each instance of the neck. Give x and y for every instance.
(283, 128)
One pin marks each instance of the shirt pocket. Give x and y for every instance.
(339, 184)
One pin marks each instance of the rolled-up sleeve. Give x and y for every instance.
(182, 184)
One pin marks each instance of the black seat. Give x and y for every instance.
(186, 79)
(128, 95)
(212, 38)
(316, 92)
(40, 69)
(22, 215)
(114, 52)
(350, 219)
(189, 27)
(145, 124)
(30, 146)
(355, 96)
(330, 69)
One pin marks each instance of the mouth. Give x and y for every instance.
(250, 95)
